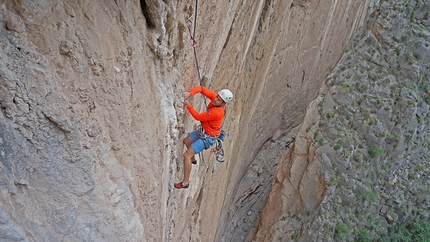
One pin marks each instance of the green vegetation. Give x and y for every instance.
(375, 150)
(358, 156)
(376, 92)
(416, 231)
(330, 115)
(341, 231)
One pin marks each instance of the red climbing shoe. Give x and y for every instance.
(194, 162)
(179, 185)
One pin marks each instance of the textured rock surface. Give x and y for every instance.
(92, 119)
(360, 162)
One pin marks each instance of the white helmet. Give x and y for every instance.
(226, 95)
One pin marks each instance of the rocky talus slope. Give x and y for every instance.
(360, 163)
(92, 119)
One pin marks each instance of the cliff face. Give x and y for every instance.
(359, 164)
(92, 119)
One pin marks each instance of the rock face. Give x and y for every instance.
(360, 162)
(92, 118)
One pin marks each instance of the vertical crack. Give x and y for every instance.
(146, 13)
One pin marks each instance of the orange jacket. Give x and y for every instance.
(211, 119)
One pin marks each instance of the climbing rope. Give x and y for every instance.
(218, 149)
(194, 44)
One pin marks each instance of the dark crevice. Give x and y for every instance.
(228, 38)
(303, 76)
(146, 13)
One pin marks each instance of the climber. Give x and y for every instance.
(211, 121)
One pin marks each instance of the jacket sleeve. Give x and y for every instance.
(205, 91)
(214, 114)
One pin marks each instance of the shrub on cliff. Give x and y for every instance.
(416, 231)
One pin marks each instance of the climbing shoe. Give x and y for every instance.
(194, 162)
(179, 185)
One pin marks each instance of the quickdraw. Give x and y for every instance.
(192, 40)
(215, 142)
(218, 149)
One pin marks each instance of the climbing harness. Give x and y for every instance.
(215, 141)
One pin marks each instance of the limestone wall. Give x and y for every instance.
(92, 118)
(359, 164)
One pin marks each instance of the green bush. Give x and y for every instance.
(375, 150)
(362, 235)
(341, 230)
(416, 231)
(358, 156)
(330, 115)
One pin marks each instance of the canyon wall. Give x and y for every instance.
(360, 161)
(92, 119)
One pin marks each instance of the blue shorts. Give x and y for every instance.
(200, 144)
